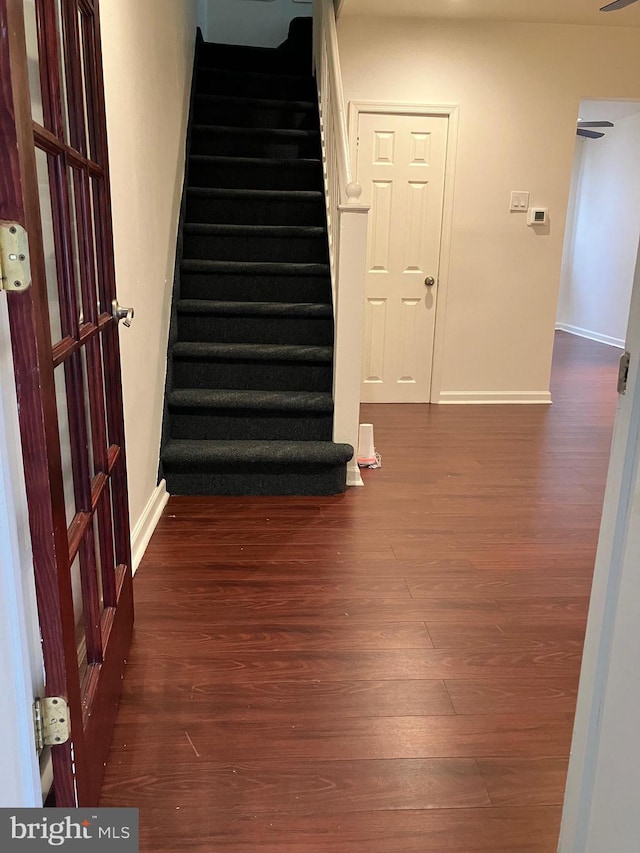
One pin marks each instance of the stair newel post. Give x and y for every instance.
(348, 310)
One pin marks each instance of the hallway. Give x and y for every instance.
(391, 669)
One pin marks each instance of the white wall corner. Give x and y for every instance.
(146, 524)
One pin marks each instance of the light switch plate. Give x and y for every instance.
(519, 201)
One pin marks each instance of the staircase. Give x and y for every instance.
(248, 406)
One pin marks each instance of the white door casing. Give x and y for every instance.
(400, 163)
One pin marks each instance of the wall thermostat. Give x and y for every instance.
(537, 215)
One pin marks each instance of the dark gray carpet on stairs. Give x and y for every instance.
(248, 406)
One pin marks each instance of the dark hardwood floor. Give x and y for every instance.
(390, 670)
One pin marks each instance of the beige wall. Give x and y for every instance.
(518, 88)
(148, 59)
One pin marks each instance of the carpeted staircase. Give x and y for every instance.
(248, 406)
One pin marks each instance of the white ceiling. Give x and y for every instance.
(525, 11)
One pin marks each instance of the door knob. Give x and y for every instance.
(119, 312)
(429, 281)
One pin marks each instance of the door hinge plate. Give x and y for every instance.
(15, 268)
(623, 372)
(51, 721)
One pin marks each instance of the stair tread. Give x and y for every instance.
(257, 75)
(253, 267)
(266, 162)
(255, 230)
(201, 451)
(275, 103)
(239, 48)
(271, 132)
(222, 398)
(245, 309)
(293, 195)
(253, 352)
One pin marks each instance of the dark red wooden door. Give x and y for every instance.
(54, 181)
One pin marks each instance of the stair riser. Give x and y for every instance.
(255, 211)
(241, 288)
(221, 82)
(251, 375)
(256, 330)
(258, 480)
(262, 176)
(305, 250)
(226, 114)
(249, 425)
(239, 145)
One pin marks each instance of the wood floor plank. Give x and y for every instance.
(537, 781)
(351, 665)
(282, 700)
(512, 695)
(160, 570)
(279, 550)
(559, 608)
(314, 610)
(360, 739)
(213, 590)
(305, 787)
(568, 634)
(392, 669)
(502, 585)
(290, 637)
(480, 830)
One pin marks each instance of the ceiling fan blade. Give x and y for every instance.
(617, 4)
(590, 134)
(595, 123)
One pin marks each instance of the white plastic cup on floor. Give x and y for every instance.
(366, 448)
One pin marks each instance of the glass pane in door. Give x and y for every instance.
(33, 60)
(48, 240)
(65, 444)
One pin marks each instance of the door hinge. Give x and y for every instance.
(50, 721)
(15, 269)
(623, 372)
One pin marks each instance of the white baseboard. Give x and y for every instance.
(146, 524)
(354, 477)
(592, 336)
(494, 397)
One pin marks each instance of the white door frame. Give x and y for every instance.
(611, 609)
(21, 674)
(451, 112)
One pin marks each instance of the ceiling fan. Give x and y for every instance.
(617, 4)
(583, 127)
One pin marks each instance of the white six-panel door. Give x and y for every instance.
(401, 167)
